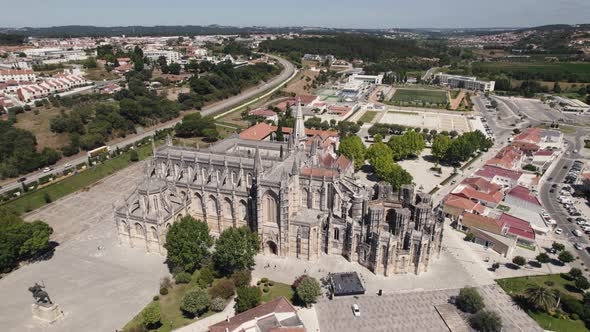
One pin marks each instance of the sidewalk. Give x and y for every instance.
(202, 325)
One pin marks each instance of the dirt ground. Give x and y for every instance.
(457, 101)
(38, 124)
(173, 92)
(99, 74)
(298, 84)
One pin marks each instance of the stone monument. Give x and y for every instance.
(43, 309)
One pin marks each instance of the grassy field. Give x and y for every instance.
(277, 289)
(171, 316)
(516, 286)
(38, 124)
(76, 182)
(99, 74)
(534, 70)
(419, 96)
(368, 116)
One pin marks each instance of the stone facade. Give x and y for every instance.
(299, 196)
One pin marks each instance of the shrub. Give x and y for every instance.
(574, 316)
(217, 304)
(166, 282)
(469, 300)
(270, 283)
(241, 278)
(469, 237)
(298, 281)
(156, 298)
(151, 315)
(582, 283)
(543, 258)
(565, 256)
(264, 280)
(308, 290)
(549, 283)
(248, 298)
(575, 273)
(195, 301)
(163, 291)
(557, 246)
(182, 278)
(224, 288)
(486, 321)
(133, 156)
(496, 266)
(266, 289)
(571, 305)
(47, 197)
(519, 260)
(206, 277)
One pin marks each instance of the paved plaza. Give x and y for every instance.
(412, 311)
(98, 290)
(437, 120)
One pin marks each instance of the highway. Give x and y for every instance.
(236, 101)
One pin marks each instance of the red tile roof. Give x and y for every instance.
(278, 305)
(489, 172)
(464, 204)
(482, 185)
(263, 112)
(319, 172)
(471, 193)
(517, 226)
(524, 194)
(261, 130)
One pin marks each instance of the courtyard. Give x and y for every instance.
(437, 120)
(98, 284)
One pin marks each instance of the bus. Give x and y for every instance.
(98, 151)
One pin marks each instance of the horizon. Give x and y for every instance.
(306, 13)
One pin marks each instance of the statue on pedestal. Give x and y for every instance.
(43, 308)
(41, 297)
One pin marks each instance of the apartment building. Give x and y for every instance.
(18, 75)
(464, 82)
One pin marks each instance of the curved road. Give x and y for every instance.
(235, 101)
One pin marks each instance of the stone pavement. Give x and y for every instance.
(98, 290)
(202, 325)
(412, 311)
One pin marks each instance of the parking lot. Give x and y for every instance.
(438, 120)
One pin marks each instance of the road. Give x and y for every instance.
(243, 98)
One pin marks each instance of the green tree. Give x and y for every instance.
(556, 87)
(217, 304)
(379, 154)
(151, 315)
(242, 278)
(353, 148)
(188, 242)
(543, 258)
(540, 297)
(394, 174)
(557, 246)
(223, 288)
(565, 256)
(486, 321)
(195, 301)
(235, 250)
(133, 156)
(469, 300)
(575, 273)
(519, 260)
(440, 146)
(248, 297)
(308, 290)
(582, 283)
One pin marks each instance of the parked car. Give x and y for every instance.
(46, 170)
(577, 232)
(558, 231)
(356, 310)
(578, 246)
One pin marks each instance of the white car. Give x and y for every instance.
(355, 310)
(577, 232)
(67, 165)
(558, 231)
(46, 169)
(579, 246)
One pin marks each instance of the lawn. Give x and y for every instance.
(36, 199)
(277, 289)
(515, 286)
(171, 315)
(368, 116)
(420, 97)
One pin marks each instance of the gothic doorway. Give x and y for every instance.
(271, 248)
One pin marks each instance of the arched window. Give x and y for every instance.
(212, 206)
(227, 208)
(139, 230)
(154, 233)
(336, 234)
(317, 199)
(196, 206)
(243, 210)
(270, 210)
(305, 198)
(123, 227)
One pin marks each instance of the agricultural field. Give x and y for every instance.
(544, 71)
(420, 97)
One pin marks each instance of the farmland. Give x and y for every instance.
(420, 97)
(544, 71)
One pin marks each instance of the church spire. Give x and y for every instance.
(299, 130)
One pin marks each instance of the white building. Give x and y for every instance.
(572, 105)
(55, 55)
(374, 79)
(50, 86)
(18, 75)
(171, 56)
(464, 82)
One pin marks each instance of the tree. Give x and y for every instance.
(188, 242)
(353, 148)
(378, 154)
(242, 278)
(486, 321)
(174, 68)
(224, 288)
(575, 273)
(235, 250)
(151, 315)
(582, 283)
(440, 146)
(395, 175)
(469, 300)
(557, 246)
(540, 297)
(543, 258)
(308, 290)
(565, 256)
(556, 87)
(247, 298)
(519, 260)
(195, 301)
(217, 304)
(133, 156)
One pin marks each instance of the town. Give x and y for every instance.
(221, 178)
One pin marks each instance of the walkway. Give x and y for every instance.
(202, 325)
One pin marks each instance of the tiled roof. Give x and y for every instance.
(489, 172)
(471, 193)
(464, 204)
(261, 130)
(319, 172)
(517, 226)
(524, 194)
(278, 305)
(482, 184)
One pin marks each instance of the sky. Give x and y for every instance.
(320, 13)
